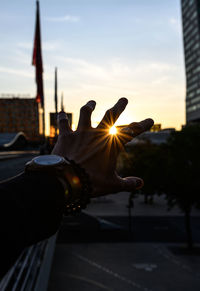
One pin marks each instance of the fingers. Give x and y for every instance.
(63, 124)
(85, 115)
(113, 113)
(134, 129)
(131, 183)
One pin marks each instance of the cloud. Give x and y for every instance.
(85, 68)
(46, 46)
(160, 81)
(156, 67)
(175, 24)
(25, 45)
(21, 56)
(173, 21)
(65, 18)
(50, 46)
(116, 76)
(16, 72)
(117, 69)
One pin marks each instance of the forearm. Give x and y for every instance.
(31, 199)
(31, 208)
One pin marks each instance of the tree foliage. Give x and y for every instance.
(147, 161)
(182, 184)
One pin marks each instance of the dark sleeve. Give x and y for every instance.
(31, 209)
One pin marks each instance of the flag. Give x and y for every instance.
(37, 59)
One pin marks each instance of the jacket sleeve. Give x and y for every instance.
(31, 209)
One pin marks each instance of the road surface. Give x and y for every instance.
(12, 163)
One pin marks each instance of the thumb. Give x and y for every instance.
(131, 183)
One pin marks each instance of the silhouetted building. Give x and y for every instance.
(191, 39)
(156, 127)
(21, 115)
(159, 137)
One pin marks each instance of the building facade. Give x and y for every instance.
(21, 114)
(191, 40)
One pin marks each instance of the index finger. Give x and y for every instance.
(113, 113)
(63, 124)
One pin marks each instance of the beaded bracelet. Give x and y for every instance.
(76, 204)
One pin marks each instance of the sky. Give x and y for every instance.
(104, 50)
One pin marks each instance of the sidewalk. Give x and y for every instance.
(116, 205)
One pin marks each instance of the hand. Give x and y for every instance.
(96, 150)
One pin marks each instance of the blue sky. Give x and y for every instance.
(103, 50)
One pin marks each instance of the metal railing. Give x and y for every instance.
(31, 270)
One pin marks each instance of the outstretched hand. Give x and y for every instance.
(96, 150)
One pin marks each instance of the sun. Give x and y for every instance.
(113, 130)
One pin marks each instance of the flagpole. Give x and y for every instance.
(62, 104)
(56, 100)
(43, 119)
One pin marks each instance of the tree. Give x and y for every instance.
(146, 160)
(182, 183)
(172, 169)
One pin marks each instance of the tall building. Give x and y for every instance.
(21, 114)
(191, 40)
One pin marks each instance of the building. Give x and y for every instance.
(191, 40)
(21, 115)
(156, 127)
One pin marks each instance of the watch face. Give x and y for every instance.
(48, 160)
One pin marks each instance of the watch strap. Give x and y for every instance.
(75, 205)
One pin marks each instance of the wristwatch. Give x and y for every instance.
(75, 181)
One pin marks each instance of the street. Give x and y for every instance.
(107, 256)
(12, 163)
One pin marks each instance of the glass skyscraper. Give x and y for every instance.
(191, 40)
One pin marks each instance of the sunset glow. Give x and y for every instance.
(139, 57)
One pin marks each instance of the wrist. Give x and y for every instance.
(73, 178)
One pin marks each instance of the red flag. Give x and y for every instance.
(37, 59)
